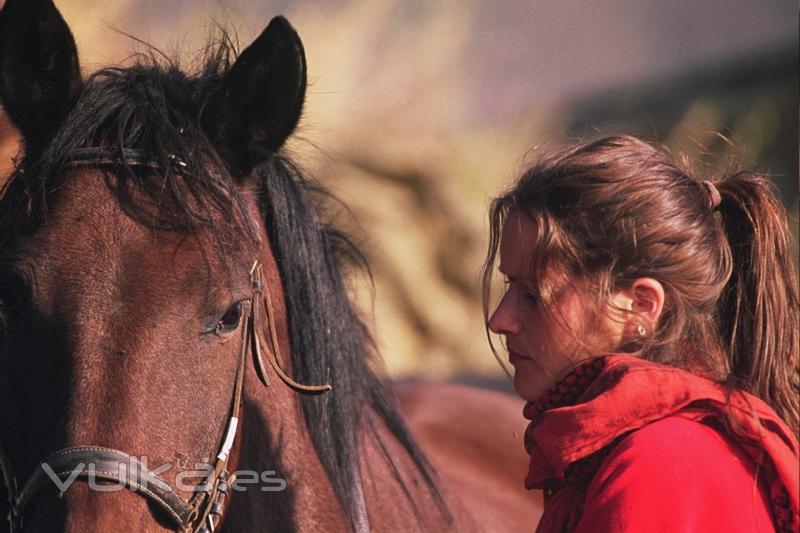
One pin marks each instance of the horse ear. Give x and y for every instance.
(39, 72)
(260, 100)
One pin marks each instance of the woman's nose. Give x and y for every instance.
(505, 320)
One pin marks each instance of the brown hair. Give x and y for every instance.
(617, 209)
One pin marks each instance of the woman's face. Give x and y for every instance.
(542, 347)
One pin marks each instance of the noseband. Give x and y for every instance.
(203, 512)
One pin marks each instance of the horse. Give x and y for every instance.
(178, 348)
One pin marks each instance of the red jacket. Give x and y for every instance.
(623, 444)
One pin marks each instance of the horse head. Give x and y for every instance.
(160, 263)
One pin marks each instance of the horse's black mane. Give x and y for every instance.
(153, 106)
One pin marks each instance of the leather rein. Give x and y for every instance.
(203, 512)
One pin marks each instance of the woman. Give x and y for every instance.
(690, 423)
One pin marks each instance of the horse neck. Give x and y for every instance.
(397, 495)
(275, 443)
(275, 439)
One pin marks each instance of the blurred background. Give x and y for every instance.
(419, 112)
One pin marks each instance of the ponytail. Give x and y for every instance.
(758, 310)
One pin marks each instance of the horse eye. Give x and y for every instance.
(230, 320)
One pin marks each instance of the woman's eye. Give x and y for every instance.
(531, 297)
(230, 320)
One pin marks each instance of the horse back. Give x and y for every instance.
(474, 440)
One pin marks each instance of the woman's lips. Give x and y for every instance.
(514, 357)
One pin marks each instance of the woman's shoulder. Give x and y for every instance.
(677, 474)
(685, 441)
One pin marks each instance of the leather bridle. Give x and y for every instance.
(203, 512)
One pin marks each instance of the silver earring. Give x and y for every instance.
(641, 331)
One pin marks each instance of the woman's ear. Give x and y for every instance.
(646, 300)
(641, 304)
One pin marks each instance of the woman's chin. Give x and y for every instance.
(529, 384)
